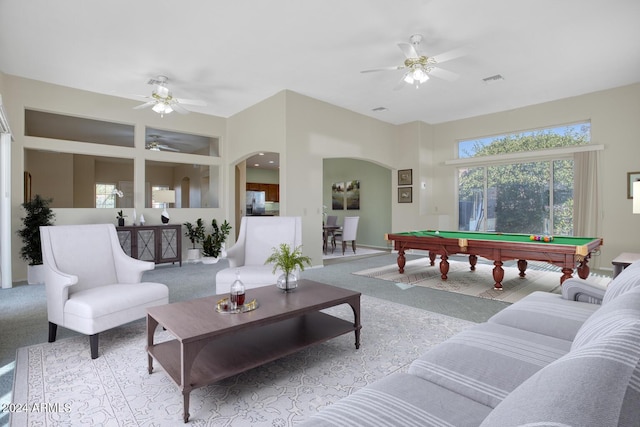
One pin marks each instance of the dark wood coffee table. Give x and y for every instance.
(210, 346)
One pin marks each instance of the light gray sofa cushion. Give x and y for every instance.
(488, 361)
(401, 400)
(625, 281)
(595, 385)
(610, 317)
(547, 314)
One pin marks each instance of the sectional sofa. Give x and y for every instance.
(547, 360)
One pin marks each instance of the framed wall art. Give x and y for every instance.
(405, 177)
(352, 192)
(631, 178)
(405, 194)
(337, 196)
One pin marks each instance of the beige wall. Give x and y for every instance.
(305, 131)
(19, 93)
(614, 123)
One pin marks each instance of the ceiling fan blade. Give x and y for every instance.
(167, 148)
(444, 74)
(145, 105)
(192, 102)
(179, 108)
(408, 49)
(452, 54)
(397, 67)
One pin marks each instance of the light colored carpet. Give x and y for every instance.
(478, 283)
(116, 390)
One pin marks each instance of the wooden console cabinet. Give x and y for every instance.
(157, 243)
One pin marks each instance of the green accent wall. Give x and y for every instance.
(263, 176)
(375, 197)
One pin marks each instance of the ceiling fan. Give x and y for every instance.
(163, 102)
(418, 66)
(155, 145)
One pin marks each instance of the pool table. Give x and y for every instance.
(565, 252)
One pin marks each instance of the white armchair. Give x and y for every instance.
(256, 240)
(91, 284)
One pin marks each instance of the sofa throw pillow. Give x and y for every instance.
(625, 281)
(596, 385)
(609, 318)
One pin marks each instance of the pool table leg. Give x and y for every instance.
(401, 260)
(567, 273)
(583, 268)
(498, 275)
(444, 266)
(473, 260)
(522, 266)
(432, 258)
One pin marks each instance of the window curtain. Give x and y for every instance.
(587, 195)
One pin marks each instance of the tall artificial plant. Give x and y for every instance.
(212, 243)
(38, 213)
(195, 233)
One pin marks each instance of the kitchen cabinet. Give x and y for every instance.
(271, 191)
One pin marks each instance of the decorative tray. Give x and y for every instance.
(224, 306)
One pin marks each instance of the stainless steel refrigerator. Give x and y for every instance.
(255, 202)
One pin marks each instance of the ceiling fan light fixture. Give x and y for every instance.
(162, 91)
(162, 108)
(420, 75)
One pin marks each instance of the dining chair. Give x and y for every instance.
(328, 234)
(348, 233)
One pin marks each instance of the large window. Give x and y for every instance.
(515, 192)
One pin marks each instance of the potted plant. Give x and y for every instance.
(212, 243)
(288, 260)
(120, 218)
(38, 214)
(195, 233)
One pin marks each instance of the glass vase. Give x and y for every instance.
(288, 283)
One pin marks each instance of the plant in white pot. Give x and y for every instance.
(38, 214)
(212, 243)
(288, 260)
(195, 233)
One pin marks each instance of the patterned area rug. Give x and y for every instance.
(478, 283)
(116, 390)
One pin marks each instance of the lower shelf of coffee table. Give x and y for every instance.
(232, 354)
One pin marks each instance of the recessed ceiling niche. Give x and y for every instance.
(70, 128)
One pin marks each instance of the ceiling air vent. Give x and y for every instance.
(493, 79)
(379, 109)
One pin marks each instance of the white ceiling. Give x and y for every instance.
(233, 54)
